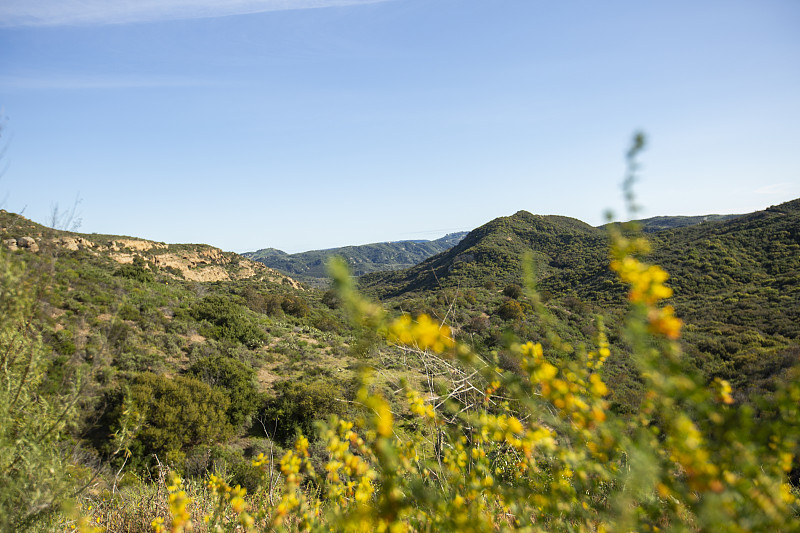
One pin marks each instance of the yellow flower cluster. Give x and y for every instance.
(85, 525)
(596, 359)
(687, 448)
(349, 476)
(510, 430)
(646, 281)
(723, 391)
(178, 509)
(293, 465)
(424, 333)
(225, 496)
(576, 396)
(646, 285)
(382, 413)
(418, 405)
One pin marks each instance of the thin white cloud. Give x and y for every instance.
(97, 82)
(17, 13)
(776, 188)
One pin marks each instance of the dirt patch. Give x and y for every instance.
(266, 378)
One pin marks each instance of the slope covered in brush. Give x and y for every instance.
(736, 283)
(564, 250)
(195, 340)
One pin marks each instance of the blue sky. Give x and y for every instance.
(307, 124)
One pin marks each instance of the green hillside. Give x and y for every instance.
(311, 266)
(122, 317)
(201, 359)
(569, 256)
(736, 283)
(562, 247)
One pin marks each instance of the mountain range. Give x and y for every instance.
(363, 259)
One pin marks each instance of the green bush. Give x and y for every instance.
(178, 413)
(234, 379)
(331, 299)
(510, 310)
(513, 291)
(63, 342)
(295, 306)
(137, 271)
(295, 406)
(228, 321)
(127, 311)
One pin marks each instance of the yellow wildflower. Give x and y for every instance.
(425, 333)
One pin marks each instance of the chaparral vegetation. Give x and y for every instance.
(539, 375)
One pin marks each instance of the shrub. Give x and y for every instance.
(34, 467)
(479, 324)
(513, 291)
(295, 406)
(137, 271)
(510, 310)
(234, 379)
(64, 343)
(295, 306)
(178, 413)
(331, 299)
(228, 321)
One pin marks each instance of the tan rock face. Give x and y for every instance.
(74, 243)
(136, 244)
(28, 243)
(211, 273)
(124, 259)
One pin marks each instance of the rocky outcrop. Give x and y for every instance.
(74, 243)
(24, 243)
(204, 264)
(138, 245)
(28, 243)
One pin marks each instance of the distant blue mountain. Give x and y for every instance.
(311, 266)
